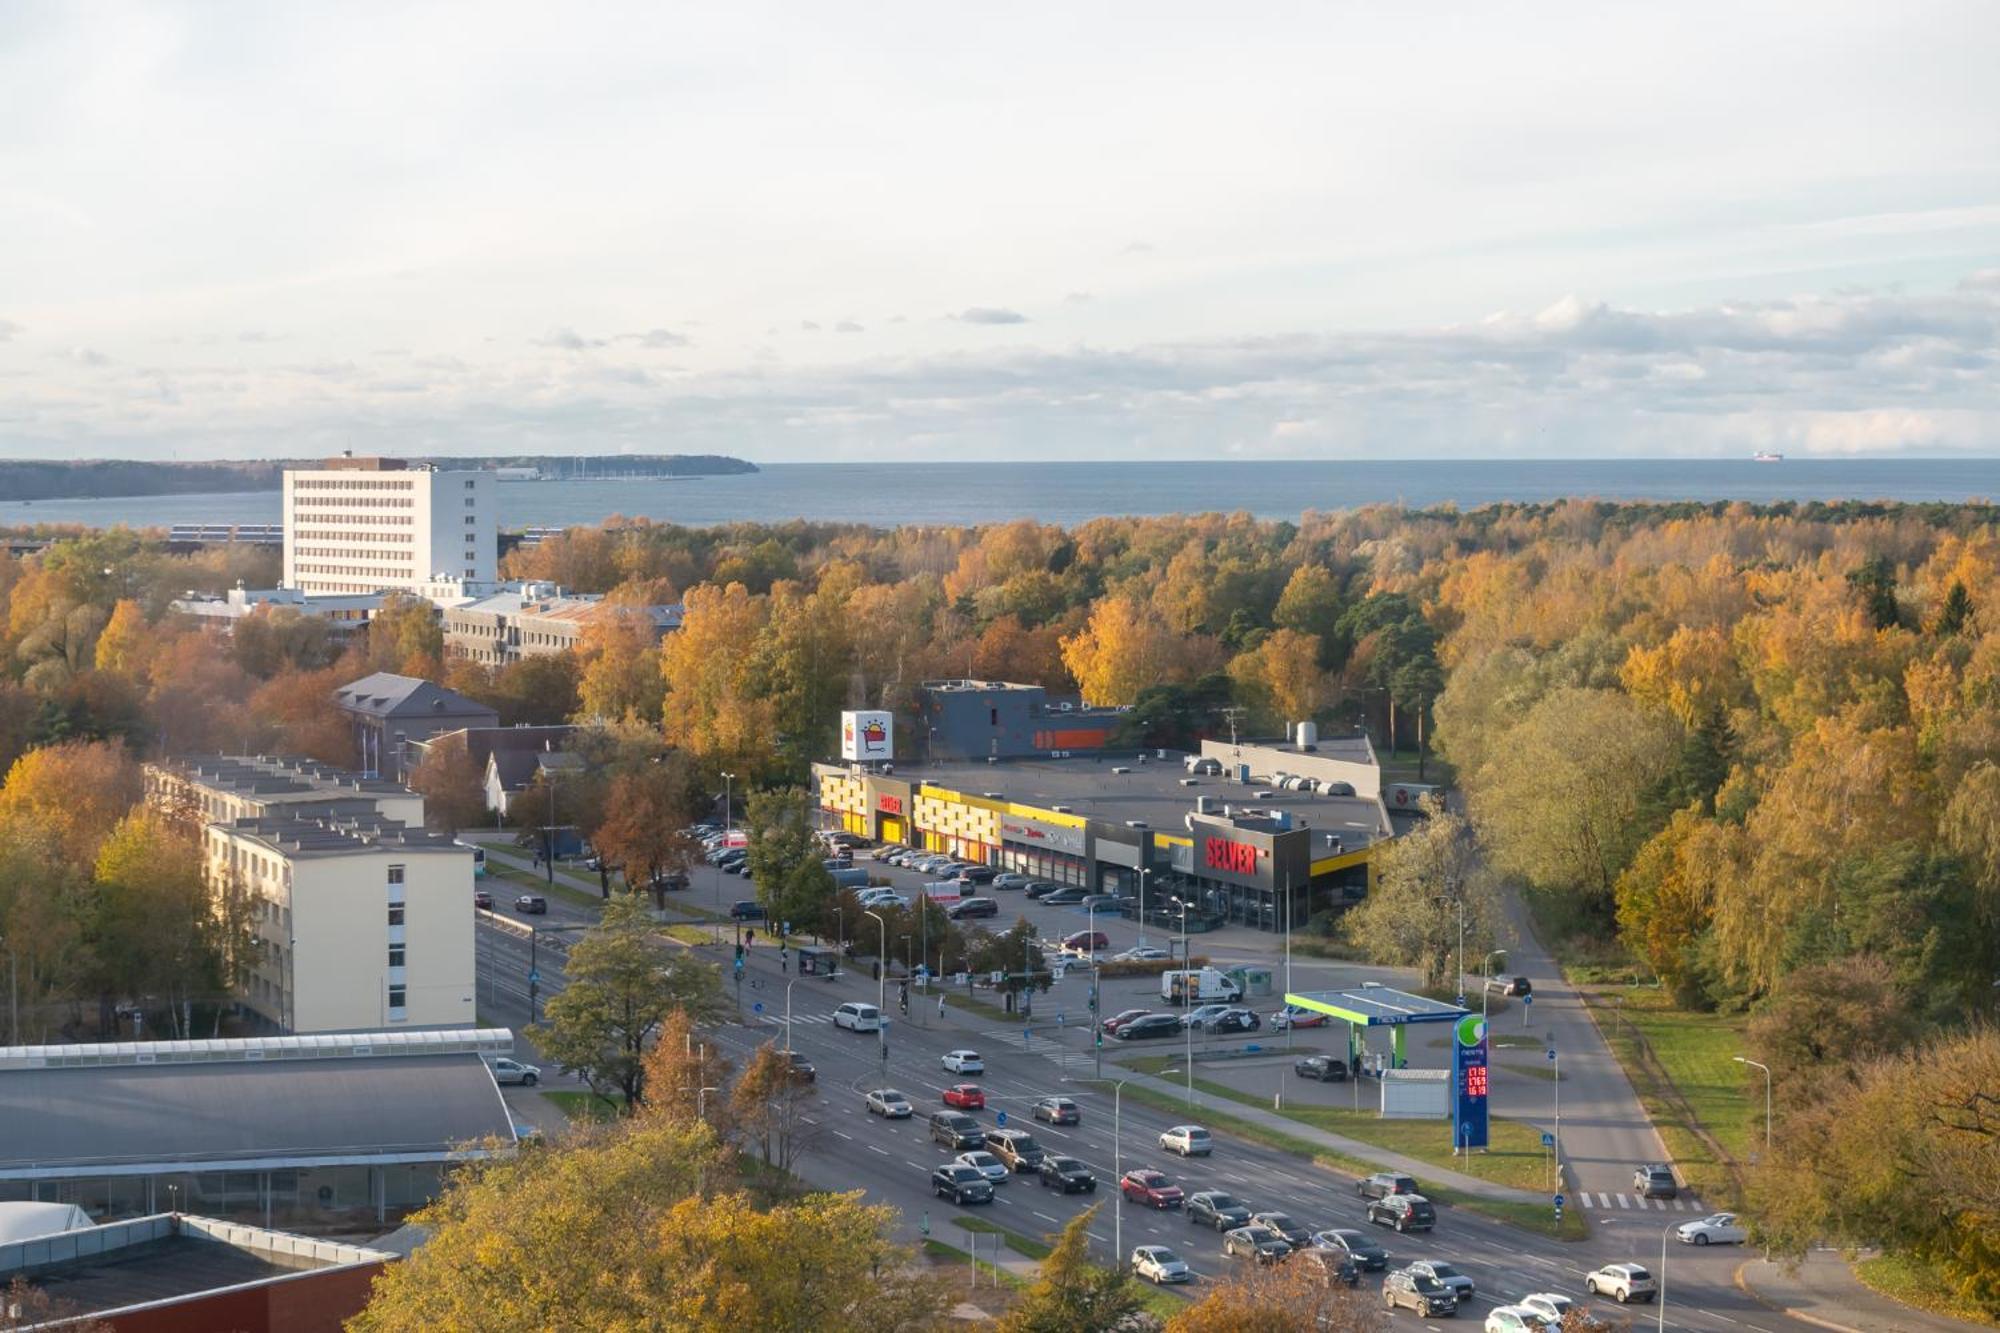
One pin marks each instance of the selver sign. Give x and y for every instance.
(1238, 858)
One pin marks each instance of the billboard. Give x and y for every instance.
(1468, 1075)
(867, 737)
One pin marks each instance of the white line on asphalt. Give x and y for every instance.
(908, 1162)
(844, 1135)
(1624, 1202)
(873, 1148)
(1046, 1218)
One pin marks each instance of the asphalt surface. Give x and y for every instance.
(892, 1160)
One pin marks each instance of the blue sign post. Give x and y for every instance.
(1469, 1073)
(1001, 1119)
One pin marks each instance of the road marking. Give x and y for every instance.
(845, 1135)
(1046, 1218)
(873, 1148)
(1624, 1202)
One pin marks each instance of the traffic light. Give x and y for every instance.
(739, 955)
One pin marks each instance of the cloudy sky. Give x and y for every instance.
(887, 230)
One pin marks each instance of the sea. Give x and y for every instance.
(964, 494)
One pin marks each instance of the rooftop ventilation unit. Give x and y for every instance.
(1120, 768)
(1062, 809)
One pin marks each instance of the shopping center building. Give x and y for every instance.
(1219, 831)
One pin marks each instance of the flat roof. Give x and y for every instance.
(276, 777)
(339, 833)
(1376, 1006)
(1354, 749)
(141, 1119)
(1152, 791)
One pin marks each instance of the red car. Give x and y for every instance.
(1151, 1188)
(1119, 1020)
(965, 1096)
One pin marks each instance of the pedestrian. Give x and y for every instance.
(784, 959)
(940, 1006)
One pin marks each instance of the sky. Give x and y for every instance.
(863, 232)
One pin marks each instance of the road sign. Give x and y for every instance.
(1527, 999)
(1001, 1120)
(1559, 1200)
(534, 974)
(1548, 1139)
(757, 1008)
(1252, 1049)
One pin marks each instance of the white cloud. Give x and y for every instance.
(985, 314)
(9, 329)
(567, 340)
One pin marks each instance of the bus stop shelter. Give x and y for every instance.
(1370, 1006)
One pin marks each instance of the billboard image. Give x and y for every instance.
(867, 736)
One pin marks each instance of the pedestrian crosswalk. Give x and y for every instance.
(1634, 1202)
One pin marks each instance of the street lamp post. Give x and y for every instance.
(882, 992)
(1458, 898)
(728, 825)
(1143, 873)
(1741, 1060)
(1555, 1060)
(1288, 962)
(1665, 1231)
(550, 864)
(1486, 984)
(1187, 1001)
(788, 1014)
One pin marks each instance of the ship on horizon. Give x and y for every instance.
(1762, 457)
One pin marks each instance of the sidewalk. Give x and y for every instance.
(1823, 1292)
(1382, 1158)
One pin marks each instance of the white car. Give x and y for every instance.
(1460, 1284)
(513, 1071)
(1188, 1141)
(889, 1103)
(1140, 953)
(1715, 1229)
(986, 1164)
(1516, 1319)
(1623, 1283)
(1157, 1263)
(858, 1017)
(1202, 1017)
(964, 1062)
(1550, 1305)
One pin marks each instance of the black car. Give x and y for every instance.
(671, 882)
(1331, 1265)
(1384, 1183)
(800, 1068)
(532, 904)
(956, 1129)
(1254, 1242)
(1217, 1209)
(1041, 888)
(971, 907)
(1152, 1025)
(1235, 1020)
(961, 1184)
(1067, 1174)
(1354, 1245)
(1322, 1067)
(746, 909)
(978, 874)
(1404, 1212)
(1295, 1235)
(1069, 895)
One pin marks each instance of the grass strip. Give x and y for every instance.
(1913, 1282)
(586, 1106)
(1155, 1300)
(938, 1249)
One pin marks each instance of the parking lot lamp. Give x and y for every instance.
(1486, 983)
(882, 993)
(1741, 1060)
(1665, 1232)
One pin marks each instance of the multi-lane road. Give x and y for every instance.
(892, 1160)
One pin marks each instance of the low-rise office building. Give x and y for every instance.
(222, 789)
(332, 1132)
(536, 620)
(389, 713)
(1159, 825)
(991, 719)
(344, 613)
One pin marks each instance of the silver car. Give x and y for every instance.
(986, 1164)
(513, 1071)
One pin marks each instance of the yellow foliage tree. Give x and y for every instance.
(713, 708)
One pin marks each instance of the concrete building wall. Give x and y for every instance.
(343, 917)
(359, 529)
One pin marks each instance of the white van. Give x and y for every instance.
(1199, 987)
(857, 1017)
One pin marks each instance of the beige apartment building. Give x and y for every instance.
(363, 919)
(536, 620)
(362, 525)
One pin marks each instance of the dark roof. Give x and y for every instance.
(516, 768)
(127, 1119)
(271, 776)
(154, 1270)
(386, 695)
(483, 741)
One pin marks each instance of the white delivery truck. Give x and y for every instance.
(944, 893)
(1199, 986)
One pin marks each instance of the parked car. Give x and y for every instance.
(1121, 1018)
(955, 1129)
(1042, 888)
(513, 1071)
(1067, 1174)
(1148, 1026)
(965, 1097)
(1656, 1181)
(1295, 1235)
(1292, 1017)
(1216, 1208)
(963, 1062)
(1460, 1284)
(1016, 1147)
(1010, 880)
(800, 1068)
(1324, 1068)
(1404, 1212)
(961, 1184)
(1067, 895)
(1623, 1283)
(1140, 953)
(889, 1104)
(1253, 1242)
(1188, 1141)
(1160, 1265)
(532, 904)
(482, 900)
(1356, 1245)
(1058, 1111)
(746, 909)
(966, 908)
(1151, 1188)
(1715, 1229)
(1404, 1290)
(979, 874)
(1515, 1319)
(986, 1164)
(858, 1017)
(1234, 1020)
(1103, 902)
(1384, 1183)
(1201, 1017)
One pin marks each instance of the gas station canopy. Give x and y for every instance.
(1370, 1005)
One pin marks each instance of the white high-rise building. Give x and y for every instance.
(369, 524)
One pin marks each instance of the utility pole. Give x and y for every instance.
(1767, 1101)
